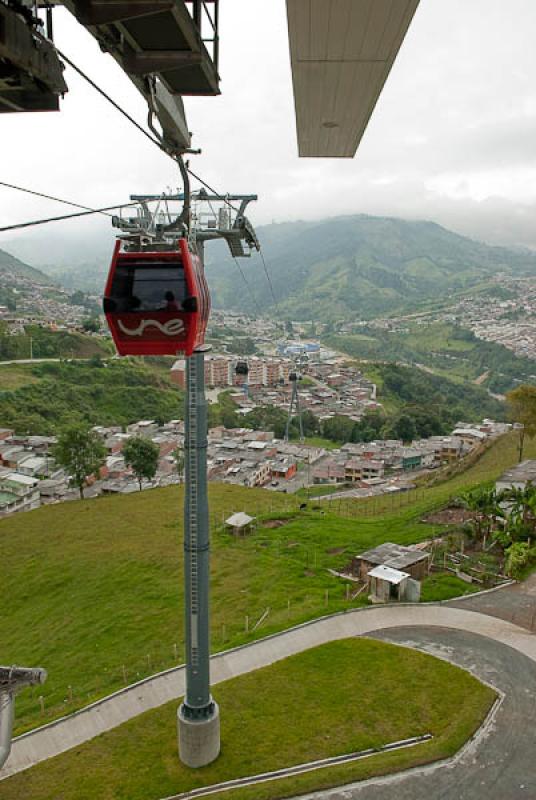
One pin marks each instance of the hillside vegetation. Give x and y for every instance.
(382, 694)
(10, 265)
(38, 342)
(114, 392)
(446, 349)
(358, 266)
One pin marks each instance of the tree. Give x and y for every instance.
(81, 452)
(142, 456)
(484, 504)
(91, 325)
(402, 428)
(521, 404)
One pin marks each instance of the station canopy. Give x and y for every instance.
(341, 53)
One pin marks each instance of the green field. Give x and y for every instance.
(447, 349)
(139, 761)
(445, 587)
(319, 441)
(13, 376)
(94, 586)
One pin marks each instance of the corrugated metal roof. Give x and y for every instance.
(388, 574)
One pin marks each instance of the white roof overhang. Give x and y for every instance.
(341, 53)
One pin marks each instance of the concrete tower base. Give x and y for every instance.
(199, 740)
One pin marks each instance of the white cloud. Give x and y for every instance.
(452, 137)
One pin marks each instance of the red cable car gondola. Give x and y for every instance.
(157, 302)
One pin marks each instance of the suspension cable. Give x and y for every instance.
(111, 100)
(207, 186)
(241, 271)
(268, 278)
(63, 217)
(50, 197)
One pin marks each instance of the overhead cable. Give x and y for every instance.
(137, 125)
(111, 100)
(50, 197)
(268, 278)
(63, 217)
(241, 271)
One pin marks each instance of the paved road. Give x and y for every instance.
(499, 764)
(108, 713)
(516, 604)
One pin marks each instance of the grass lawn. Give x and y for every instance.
(445, 586)
(382, 694)
(319, 441)
(96, 585)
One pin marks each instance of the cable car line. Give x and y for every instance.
(136, 124)
(248, 286)
(268, 278)
(64, 217)
(110, 100)
(51, 197)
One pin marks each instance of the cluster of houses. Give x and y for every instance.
(30, 477)
(371, 464)
(40, 304)
(325, 389)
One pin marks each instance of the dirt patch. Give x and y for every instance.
(274, 523)
(292, 544)
(335, 551)
(448, 516)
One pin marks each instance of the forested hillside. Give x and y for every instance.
(356, 266)
(96, 392)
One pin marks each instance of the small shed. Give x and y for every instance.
(241, 523)
(408, 559)
(387, 585)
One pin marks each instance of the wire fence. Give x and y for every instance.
(39, 705)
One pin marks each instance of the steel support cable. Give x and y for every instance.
(50, 197)
(136, 124)
(268, 278)
(63, 217)
(241, 271)
(207, 186)
(110, 100)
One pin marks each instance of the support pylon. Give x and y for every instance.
(198, 715)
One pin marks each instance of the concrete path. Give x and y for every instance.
(499, 763)
(68, 732)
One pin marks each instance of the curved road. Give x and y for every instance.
(499, 765)
(52, 739)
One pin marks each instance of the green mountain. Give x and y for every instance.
(12, 267)
(357, 266)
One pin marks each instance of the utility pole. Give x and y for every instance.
(198, 715)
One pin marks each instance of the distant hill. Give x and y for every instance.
(357, 266)
(11, 266)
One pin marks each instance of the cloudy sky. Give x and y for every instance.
(453, 137)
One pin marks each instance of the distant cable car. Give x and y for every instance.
(157, 303)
